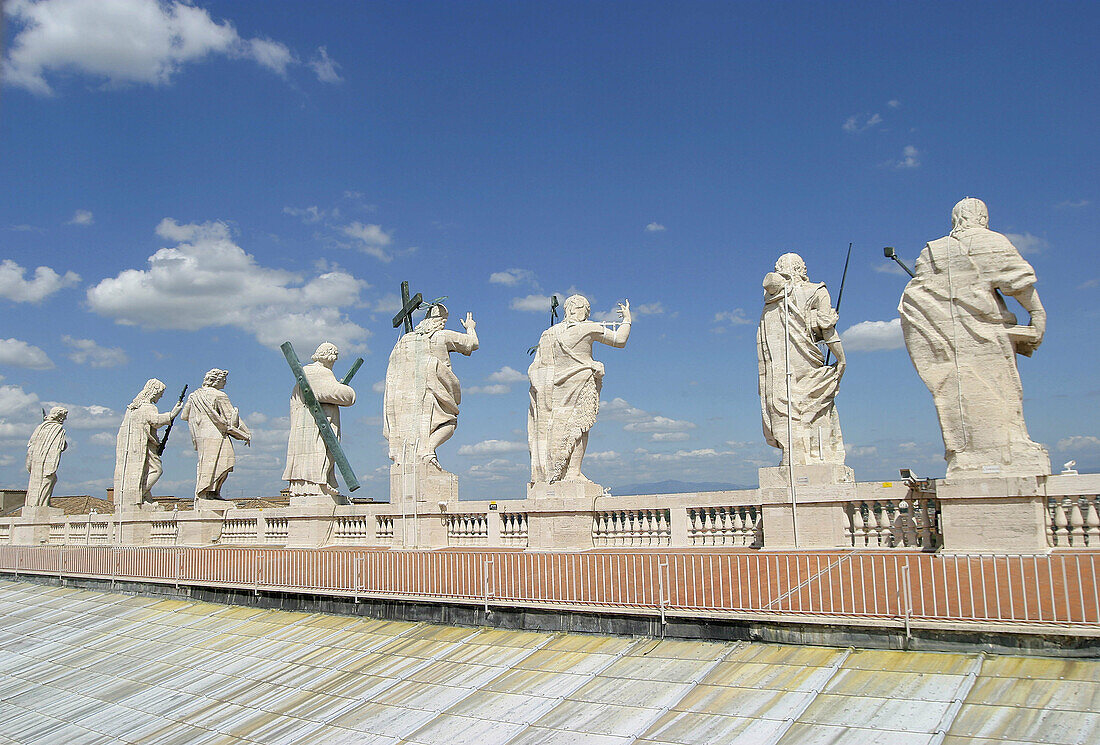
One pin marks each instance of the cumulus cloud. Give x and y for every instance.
(324, 67)
(18, 353)
(894, 103)
(312, 213)
(208, 281)
(891, 267)
(507, 375)
(860, 451)
(82, 217)
(20, 412)
(659, 424)
(122, 42)
(93, 417)
(534, 303)
(497, 469)
(655, 227)
(1086, 443)
(513, 277)
(1026, 243)
(372, 239)
(659, 428)
(860, 123)
(15, 287)
(726, 319)
(669, 436)
(87, 352)
(910, 158)
(873, 336)
(495, 389)
(493, 447)
(1073, 204)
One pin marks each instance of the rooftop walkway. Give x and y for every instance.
(81, 667)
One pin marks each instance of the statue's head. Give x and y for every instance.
(577, 308)
(151, 393)
(215, 378)
(435, 319)
(969, 213)
(57, 414)
(791, 266)
(327, 352)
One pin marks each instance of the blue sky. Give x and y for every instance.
(201, 182)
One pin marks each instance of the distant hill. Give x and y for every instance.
(675, 487)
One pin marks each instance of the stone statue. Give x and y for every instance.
(137, 449)
(214, 424)
(422, 393)
(963, 341)
(309, 467)
(798, 316)
(44, 456)
(565, 391)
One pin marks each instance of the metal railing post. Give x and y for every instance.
(485, 565)
(662, 580)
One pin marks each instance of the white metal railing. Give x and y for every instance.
(1056, 589)
(632, 528)
(514, 530)
(894, 523)
(726, 526)
(1073, 521)
(467, 529)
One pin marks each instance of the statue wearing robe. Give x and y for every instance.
(963, 341)
(422, 392)
(214, 423)
(137, 449)
(565, 391)
(797, 316)
(44, 456)
(309, 467)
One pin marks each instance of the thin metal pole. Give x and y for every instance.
(790, 436)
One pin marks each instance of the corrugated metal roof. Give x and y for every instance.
(79, 666)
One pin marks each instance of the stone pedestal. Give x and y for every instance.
(203, 524)
(1005, 515)
(323, 501)
(424, 484)
(819, 493)
(560, 514)
(135, 524)
(570, 492)
(33, 528)
(422, 530)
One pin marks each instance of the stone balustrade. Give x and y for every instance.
(164, 532)
(514, 530)
(726, 526)
(1073, 521)
(239, 530)
(894, 523)
(384, 529)
(351, 530)
(468, 530)
(645, 527)
(276, 530)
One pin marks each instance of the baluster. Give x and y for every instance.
(1076, 523)
(693, 525)
(859, 525)
(1092, 523)
(1061, 532)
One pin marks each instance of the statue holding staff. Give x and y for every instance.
(137, 449)
(214, 424)
(44, 456)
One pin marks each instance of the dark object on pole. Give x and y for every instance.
(553, 319)
(890, 253)
(168, 430)
(319, 418)
(840, 295)
(408, 305)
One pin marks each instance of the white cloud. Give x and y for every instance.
(618, 410)
(655, 227)
(88, 417)
(1087, 443)
(495, 470)
(312, 213)
(493, 447)
(660, 424)
(604, 456)
(496, 389)
(379, 386)
(533, 303)
(122, 41)
(873, 336)
(87, 352)
(209, 281)
(513, 277)
(860, 451)
(860, 123)
(102, 439)
(389, 303)
(669, 436)
(372, 238)
(18, 409)
(1073, 204)
(324, 67)
(891, 267)
(507, 375)
(1094, 282)
(894, 103)
(82, 217)
(910, 158)
(1026, 243)
(45, 283)
(274, 55)
(642, 309)
(18, 353)
(735, 317)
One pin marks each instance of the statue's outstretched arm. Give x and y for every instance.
(1029, 299)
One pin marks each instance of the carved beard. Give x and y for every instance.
(429, 326)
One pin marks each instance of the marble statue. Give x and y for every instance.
(565, 390)
(422, 392)
(214, 424)
(44, 456)
(798, 316)
(963, 340)
(309, 467)
(137, 449)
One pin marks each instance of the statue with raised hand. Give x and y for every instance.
(137, 449)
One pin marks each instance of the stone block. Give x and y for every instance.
(424, 483)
